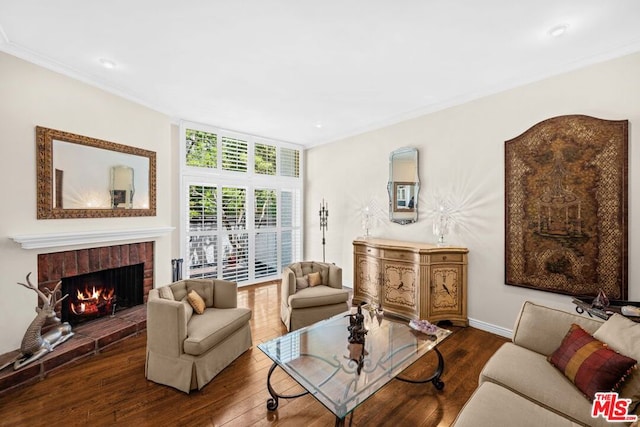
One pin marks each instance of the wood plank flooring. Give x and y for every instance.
(110, 388)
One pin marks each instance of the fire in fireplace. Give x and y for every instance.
(92, 302)
(101, 293)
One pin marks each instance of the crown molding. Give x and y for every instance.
(44, 61)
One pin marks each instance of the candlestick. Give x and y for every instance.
(324, 224)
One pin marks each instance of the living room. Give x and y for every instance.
(461, 157)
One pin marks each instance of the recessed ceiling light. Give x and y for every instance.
(558, 30)
(107, 63)
(319, 125)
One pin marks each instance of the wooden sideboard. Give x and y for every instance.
(412, 280)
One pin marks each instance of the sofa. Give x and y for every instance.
(519, 386)
(311, 291)
(185, 350)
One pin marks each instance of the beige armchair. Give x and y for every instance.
(186, 350)
(304, 302)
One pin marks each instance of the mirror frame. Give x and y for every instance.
(409, 215)
(45, 178)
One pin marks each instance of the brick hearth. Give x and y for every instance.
(89, 339)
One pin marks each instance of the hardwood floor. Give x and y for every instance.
(110, 388)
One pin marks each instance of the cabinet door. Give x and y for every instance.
(367, 279)
(446, 290)
(400, 288)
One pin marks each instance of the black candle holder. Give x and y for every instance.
(324, 224)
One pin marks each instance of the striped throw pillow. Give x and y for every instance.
(589, 364)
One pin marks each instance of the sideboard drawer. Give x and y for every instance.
(446, 258)
(369, 251)
(399, 255)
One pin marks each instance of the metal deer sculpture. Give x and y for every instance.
(34, 343)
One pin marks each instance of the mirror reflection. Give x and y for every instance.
(82, 177)
(403, 186)
(122, 186)
(405, 197)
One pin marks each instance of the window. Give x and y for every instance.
(242, 209)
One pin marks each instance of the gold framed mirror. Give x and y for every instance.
(83, 177)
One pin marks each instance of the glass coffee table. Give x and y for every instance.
(341, 375)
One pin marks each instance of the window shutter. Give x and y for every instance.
(266, 221)
(290, 161)
(234, 154)
(202, 244)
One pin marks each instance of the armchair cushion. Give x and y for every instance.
(301, 283)
(213, 327)
(307, 267)
(317, 296)
(166, 293)
(196, 301)
(314, 279)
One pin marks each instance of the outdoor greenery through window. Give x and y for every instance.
(202, 149)
(242, 209)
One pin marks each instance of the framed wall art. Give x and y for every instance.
(566, 207)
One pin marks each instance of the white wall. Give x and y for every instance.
(461, 155)
(31, 96)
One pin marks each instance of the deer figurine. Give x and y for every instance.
(34, 343)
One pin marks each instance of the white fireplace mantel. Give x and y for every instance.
(50, 240)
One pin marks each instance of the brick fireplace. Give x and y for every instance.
(91, 336)
(53, 267)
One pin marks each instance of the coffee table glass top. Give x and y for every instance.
(320, 358)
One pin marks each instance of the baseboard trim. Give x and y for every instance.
(484, 326)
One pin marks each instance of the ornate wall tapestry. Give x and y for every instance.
(566, 207)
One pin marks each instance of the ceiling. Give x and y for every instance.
(313, 72)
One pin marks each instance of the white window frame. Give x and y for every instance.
(191, 175)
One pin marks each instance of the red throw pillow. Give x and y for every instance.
(589, 364)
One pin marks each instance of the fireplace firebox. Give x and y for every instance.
(101, 293)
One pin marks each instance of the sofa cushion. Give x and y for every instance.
(196, 301)
(530, 374)
(541, 329)
(318, 296)
(492, 405)
(623, 335)
(589, 364)
(213, 327)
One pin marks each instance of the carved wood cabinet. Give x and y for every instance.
(412, 280)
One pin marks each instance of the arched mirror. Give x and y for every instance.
(403, 185)
(82, 177)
